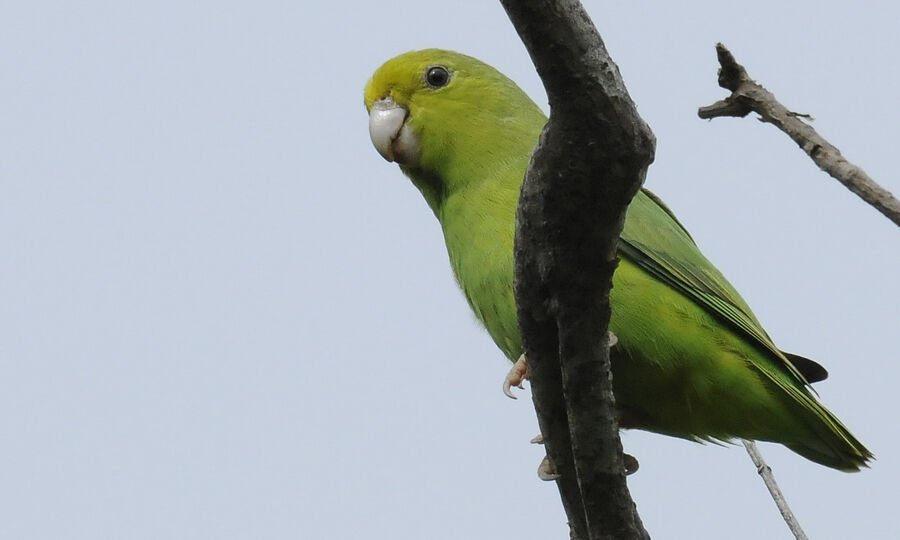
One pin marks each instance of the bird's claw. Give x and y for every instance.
(517, 374)
(545, 470)
(611, 339)
(519, 371)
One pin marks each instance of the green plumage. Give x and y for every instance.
(692, 360)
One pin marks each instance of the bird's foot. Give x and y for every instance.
(517, 374)
(611, 339)
(545, 470)
(519, 371)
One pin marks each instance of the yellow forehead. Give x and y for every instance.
(401, 76)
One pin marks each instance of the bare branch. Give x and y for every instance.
(766, 473)
(589, 162)
(747, 95)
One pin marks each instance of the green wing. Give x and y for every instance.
(655, 240)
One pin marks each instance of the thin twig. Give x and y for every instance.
(766, 473)
(749, 96)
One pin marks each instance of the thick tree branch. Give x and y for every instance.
(589, 162)
(747, 95)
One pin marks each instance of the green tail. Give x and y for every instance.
(832, 444)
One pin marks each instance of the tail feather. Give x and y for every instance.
(831, 444)
(847, 461)
(825, 439)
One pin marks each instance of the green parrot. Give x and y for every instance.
(691, 360)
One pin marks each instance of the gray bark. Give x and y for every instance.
(590, 161)
(749, 96)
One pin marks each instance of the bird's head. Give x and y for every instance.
(435, 111)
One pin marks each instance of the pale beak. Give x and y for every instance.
(391, 136)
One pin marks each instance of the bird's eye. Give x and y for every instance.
(437, 76)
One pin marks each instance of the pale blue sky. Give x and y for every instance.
(225, 316)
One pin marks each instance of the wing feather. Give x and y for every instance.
(657, 242)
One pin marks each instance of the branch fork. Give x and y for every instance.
(749, 96)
